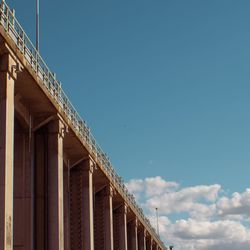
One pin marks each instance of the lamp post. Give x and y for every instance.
(157, 220)
(37, 25)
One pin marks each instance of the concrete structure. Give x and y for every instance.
(58, 189)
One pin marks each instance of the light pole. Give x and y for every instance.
(37, 25)
(157, 220)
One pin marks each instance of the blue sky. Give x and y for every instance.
(164, 85)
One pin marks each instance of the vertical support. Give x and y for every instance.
(7, 80)
(134, 235)
(66, 201)
(153, 245)
(32, 182)
(122, 220)
(55, 185)
(108, 219)
(87, 203)
(149, 243)
(142, 239)
(22, 212)
(76, 241)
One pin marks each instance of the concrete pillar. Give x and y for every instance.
(149, 243)
(76, 241)
(133, 235)
(23, 204)
(120, 224)
(55, 186)
(81, 206)
(103, 219)
(142, 240)
(7, 80)
(154, 247)
(40, 189)
(87, 167)
(108, 218)
(66, 200)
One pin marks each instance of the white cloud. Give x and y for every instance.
(150, 186)
(182, 201)
(206, 220)
(195, 234)
(207, 230)
(157, 186)
(238, 205)
(135, 186)
(166, 195)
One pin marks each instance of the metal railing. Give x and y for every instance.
(53, 87)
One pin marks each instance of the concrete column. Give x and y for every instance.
(121, 214)
(66, 200)
(55, 186)
(150, 244)
(154, 247)
(108, 218)
(142, 240)
(22, 215)
(7, 79)
(133, 234)
(87, 203)
(76, 241)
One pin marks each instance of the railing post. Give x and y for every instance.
(7, 20)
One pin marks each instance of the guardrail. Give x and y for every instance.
(54, 88)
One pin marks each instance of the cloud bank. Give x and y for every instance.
(207, 218)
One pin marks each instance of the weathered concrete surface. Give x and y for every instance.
(7, 81)
(108, 219)
(40, 188)
(55, 185)
(133, 235)
(66, 201)
(87, 193)
(149, 243)
(142, 240)
(76, 227)
(120, 228)
(103, 219)
(22, 189)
